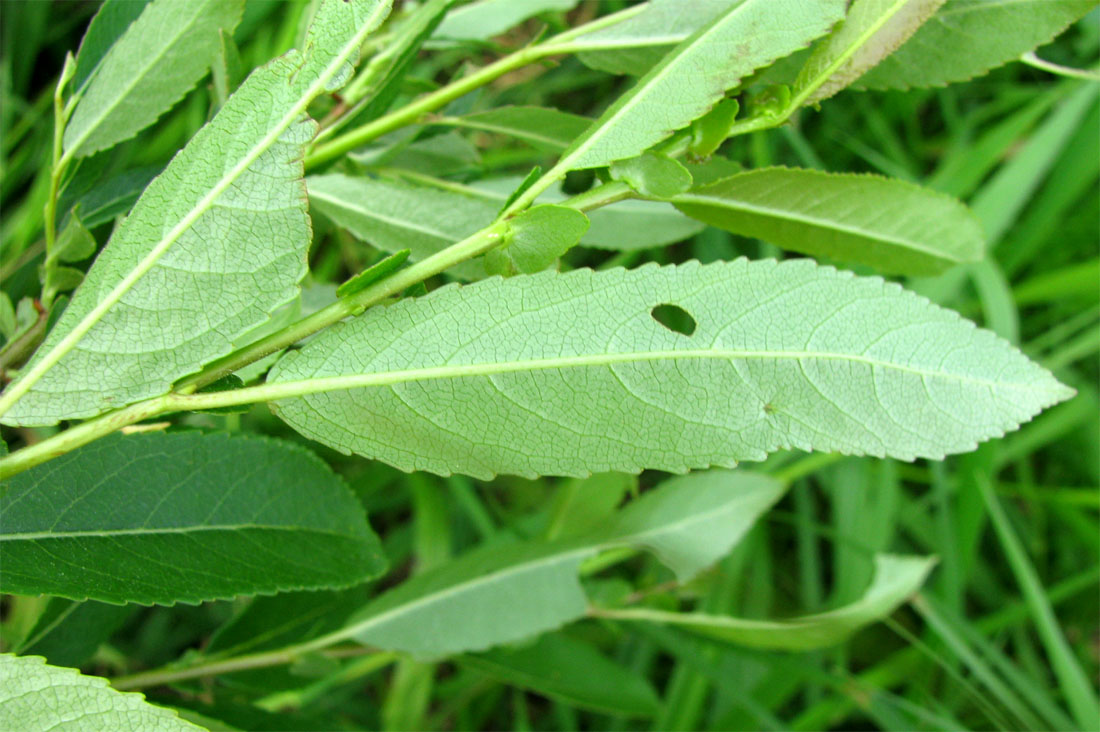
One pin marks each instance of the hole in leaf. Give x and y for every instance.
(674, 317)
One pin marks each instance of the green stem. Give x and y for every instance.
(409, 114)
(171, 675)
(59, 163)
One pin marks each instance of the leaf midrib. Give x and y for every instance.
(111, 533)
(289, 389)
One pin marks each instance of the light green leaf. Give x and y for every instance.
(445, 154)
(216, 242)
(536, 238)
(34, 696)
(110, 22)
(653, 174)
(967, 38)
(870, 33)
(696, 74)
(895, 580)
(483, 19)
(898, 227)
(570, 671)
(375, 273)
(393, 216)
(710, 131)
(627, 226)
(157, 60)
(541, 127)
(75, 243)
(636, 44)
(182, 517)
(502, 593)
(568, 374)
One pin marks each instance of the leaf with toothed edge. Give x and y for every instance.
(568, 374)
(37, 696)
(182, 517)
(968, 38)
(695, 75)
(214, 245)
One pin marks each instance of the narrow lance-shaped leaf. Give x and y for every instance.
(35, 696)
(872, 30)
(157, 60)
(570, 373)
(696, 74)
(895, 580)
(214, 244)
(896, 227)
(502, 593)
(183, 517)
(967, 38)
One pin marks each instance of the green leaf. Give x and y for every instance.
(110, 22)
(653, 174)
(75, 243)
(215, 243)
(182, 517)
(112, 197)
(696, 74)
(967, 38)
(570, 671)
(393, 216)
(897, 227)
(68, 633)
(446, 154)
(872, 30)
(157, 60)
(636, 44)
(376, 272)
(710, 131)
(568, 374)
(63, 279)
(582, 504)
(895, 580)
(34, 696)
(502, 593)
(536, 238)
(482, 19)
(627, 226)
(541, 127)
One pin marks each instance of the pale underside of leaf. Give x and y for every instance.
(895, 580)
(36, 696)
(214, 244)
(512, 591)
(968, 38)
(697, 73)
(891, 225)
(571, 374)
(393, 216)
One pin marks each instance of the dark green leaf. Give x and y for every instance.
(183, 517)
